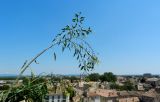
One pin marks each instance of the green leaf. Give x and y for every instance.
(79, 65)
(54, 56)
(63, 48)
(76, 15)
(65, 43)
(77, 57)
(74, 20)
(36, 62)
(67, 27)
(75, 52)
(82, 67)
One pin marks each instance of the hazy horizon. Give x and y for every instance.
(125, 35)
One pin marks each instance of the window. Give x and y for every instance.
(52, 97)
(64, 97)
(58, 97)
(46, 97)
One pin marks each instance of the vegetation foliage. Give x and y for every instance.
(127, 86)
(72, 38)
(94, 77)
(107, 76)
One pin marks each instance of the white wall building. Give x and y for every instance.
(56, 98)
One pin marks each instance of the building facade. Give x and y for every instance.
(56, 98)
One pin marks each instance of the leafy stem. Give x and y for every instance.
(71, 37)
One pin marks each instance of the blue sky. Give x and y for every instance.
(126, 34)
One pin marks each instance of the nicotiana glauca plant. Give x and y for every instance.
(72, 38)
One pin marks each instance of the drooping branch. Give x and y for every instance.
(72, 37)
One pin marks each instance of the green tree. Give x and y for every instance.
(143, 80)
(114, 86)
(94, 77)
(108, 76)
(86, 79)
(73, 78)
(128, 86)
(70, 91)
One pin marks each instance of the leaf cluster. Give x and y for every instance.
(72, 38)
(32, 89)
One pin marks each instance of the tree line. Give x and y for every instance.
(107, 76)
(111, 78)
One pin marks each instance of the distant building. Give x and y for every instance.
(150, 96)
(147, 86)
(128, 99)
(140, 87)
(157, 89)
(2, 82)
(121, 79)
(102, 95)
(128, 96)
(154, 82)
(56, 98)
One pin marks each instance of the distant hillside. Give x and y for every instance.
(8, 75)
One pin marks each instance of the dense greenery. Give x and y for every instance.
(115, 86)
(110, 77)
(71, 92)
(10, 77)
(33, 88)
(143, 80)
(71, 78)
(94, 77)
(107, 76)
(127, 86)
